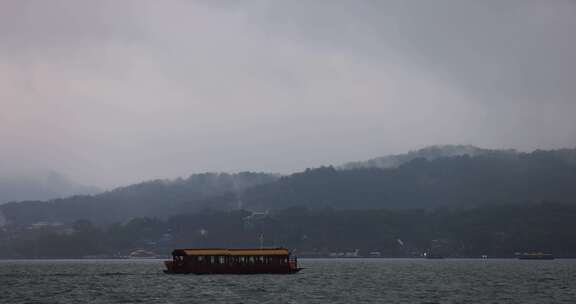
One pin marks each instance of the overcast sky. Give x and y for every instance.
(111, 92)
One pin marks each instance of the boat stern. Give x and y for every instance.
(169, 266)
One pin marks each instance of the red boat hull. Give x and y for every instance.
(184, 268)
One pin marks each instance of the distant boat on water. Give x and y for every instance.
(534, 256)
(430, 255)
(434, 256)
(142, 254)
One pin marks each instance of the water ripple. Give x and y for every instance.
(323, 281)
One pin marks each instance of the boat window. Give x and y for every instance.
(222, 259)
(200, 258)
(212, 260)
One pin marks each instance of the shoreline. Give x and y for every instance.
(300, 258)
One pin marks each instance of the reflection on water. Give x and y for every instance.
(323, 281)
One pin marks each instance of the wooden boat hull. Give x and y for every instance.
(172, 268)
(292, 271)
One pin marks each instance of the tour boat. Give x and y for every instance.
(232, 261)
(535, 256)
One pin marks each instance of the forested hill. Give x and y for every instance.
(461, 181)
(457, 181)
(428, 153)
(498, 231)
(156, 198)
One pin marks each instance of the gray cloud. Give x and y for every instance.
(111, 92)
(509, 49)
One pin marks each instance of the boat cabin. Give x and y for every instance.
(233, 261)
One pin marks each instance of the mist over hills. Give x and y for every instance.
(39, 186)
(155, 198)
(49, 185)
(455, 181)
(428, 153)
(494, 202)
(439, 176)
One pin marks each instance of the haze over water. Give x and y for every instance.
(322, 281)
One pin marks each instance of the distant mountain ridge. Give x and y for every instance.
(429, 153)
(462, 181)
(39, 186)
(439, 176)
(155, 198)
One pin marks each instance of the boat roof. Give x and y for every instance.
(232, 252)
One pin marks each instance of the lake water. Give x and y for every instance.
(323, 281)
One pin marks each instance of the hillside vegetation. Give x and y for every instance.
(461, 181)
(456, 181)
(158, 198)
